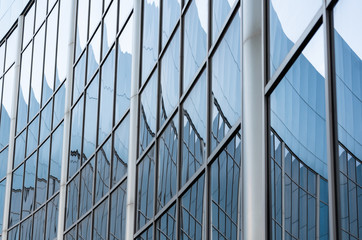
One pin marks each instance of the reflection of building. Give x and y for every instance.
(151, 120)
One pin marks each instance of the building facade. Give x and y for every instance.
(180, 119)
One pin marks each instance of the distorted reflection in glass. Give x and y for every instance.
(55, 160)
(29, 186)
(120, 151)
(19, 152)
(145, 189)
(11, 48)
(85, 228)
(150, 36)
(348, 55)
(287, 22)
(124, 64)
(3, 163)
(32, 136)
(167, 162)
(166, 225)
(46, 121)
(52, 219)
(125, 7)
(39, 224)
(94, 54)
(42, 173)
(146, 235)
(170, 72)
(15, 199)
(71, 212)
(28, 26)
(220, 11)
(195, 42)
(101, 221)
(225, 178)
(297, 110)
(79, 76)
(95, 15)
(226, 83)
(58, 112)
(194, 130)
(148, 113)
(170, 14)
(109, 28)
(86, 187)
(117, 225)
(26, 228)
(2, 200)
(103, 170)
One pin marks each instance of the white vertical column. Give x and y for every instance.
(67, 110)
(12, 127)
(254, 162)
(133, 133)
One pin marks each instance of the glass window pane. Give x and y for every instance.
(71, 210)
(4, 163)
(191, 212)
(50, 49)
(195, 42)
(118, 212)
(37, 73)
(95, 15)
(32, 137)
(220, 11)
(148, 113)
(85, 228)
(167, 162)
(42, 173)
(28, 25)
(90, 119)
(72, 234)
(79, 76)
(287, 22)
(52, 219)
(100, 221)
(226, 83)
(125, 8)
(194, 130)
(82, 26)
(146, 235)
(2, 57)
(56, 160)
(19, 149)
(94, 54)
(13, 234)
(23, 101)
(150, 36)
(166, 225)
(39, 224)
(170, 15)
(76, 138)
(120, 151)
(170, 75)
(26, 229)
(41, 11)
(15, 199)
(2, 200)
(124, 64)
(86, 188)
(109, 28)
(59, 101)
(29, 186)
(106, 97)
(46, 121)
(145, 189)
(11, 48)
(103, 170)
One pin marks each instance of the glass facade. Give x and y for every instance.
(123, 119)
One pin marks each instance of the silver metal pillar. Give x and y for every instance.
(133, 133)
(12, 128)
(67, 111)
(254, 163)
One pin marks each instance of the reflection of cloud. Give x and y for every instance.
(347, 17)
(125, 39)
(314, 52)
(156, 2)
(201, 6)
(8, 90)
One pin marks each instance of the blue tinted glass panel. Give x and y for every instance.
(103, 170)
(86, 187)
(118, 213)
(166, 225)
(146, 235)
(55, 160)
(82, 26)
(71, 211)
(39, 224)
(15, 199)
(46, 121)
(19, 149)
(42, 173)
(2, 200)
(170, 15)
(26, 229)
(85, 228)
(59, 101)
(220, 11)
(120, 151)
(94, 54)
(32, 137)
(52, 219)
(13, 234)
(72, 234)
(226, 83)
(3, 163)
(109, 28)
(100, 221)
(79, 78)
(29, 186)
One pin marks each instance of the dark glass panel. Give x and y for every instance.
(39, 224)
(90, 119)
(323, 222)
(86, 188)
(106, 97)
(170, 75)
(76, 138)
(100, 221)
(29, 186)
(124, 64)
(55, 160)
(150, 36)
(167, 162)
(71, 210)
(103, 170)
(311, 217)
(145, 189)
(32, 136)
(194, 130)
(147, 113)
(52, 219)
(15, 200)
(191, 212)
(42, 173)
(195, 42)
(287, 22)
(120, 151)
(85, 228)
(226, 83)
(166, 225)
(170, 14)
(118, 213)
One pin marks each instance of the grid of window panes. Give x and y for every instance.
(39, 126)
(98, 156)
(7, 60)
(297, 194)
(183, 68)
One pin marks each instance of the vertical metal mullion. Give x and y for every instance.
(283, 190)
(56, 56)
(317, 233)
(332, 131)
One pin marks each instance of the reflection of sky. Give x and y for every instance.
(149, 101)
(125, 40)
(201, 6)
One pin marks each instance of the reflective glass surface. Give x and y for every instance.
(71, 210)
(55, 160)
(120, 151)
(26, 229)
(79, 75)
(166, 225)
(86, 187)
(194, 130)
(94, 54)
(32, 136)
(42, 173)
(28, 26)
(39, 224)
(52, 219)
(220, 11)
(17, 185)
(170, 15)
(29, 186)
(46, 121)
(117, 225)
(95, 14)
(195, 42)
(19, 149)
(85, 228)
(226, 83)
(287, 22)
(150, 36)
(2, 200)
(58, 112)
(103, 170)
(82, 26)
(170, 72)
(109, 28)
(100, 221)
